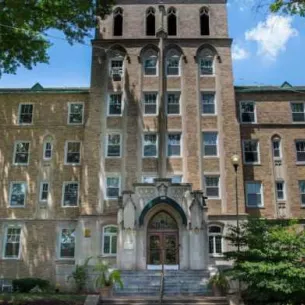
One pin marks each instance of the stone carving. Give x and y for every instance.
(129, 214)
(162, 189)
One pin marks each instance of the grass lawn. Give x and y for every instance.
(41, 299)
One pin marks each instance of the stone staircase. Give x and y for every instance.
(176, 282)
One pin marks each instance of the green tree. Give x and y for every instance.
(24, 23)
(270, 262)
(293, 7)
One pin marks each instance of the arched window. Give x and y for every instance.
(206, 62)
(173, 63)
(215, 240)
(276, 147)
(150, 22)
(47, 148)
(162, 221)
(110, 240)
(150, 62)
(118, 22)
(204, 21)
(171, 22)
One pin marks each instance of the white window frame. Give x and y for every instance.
(213, 67)
(110, 235)
(63, 194)
(179, 64)
(295, 144)
(69, 112)
(113, 175)
(300, 194)
(171, 176)
(107, 144)
(145, 57)
(284, 190)
(41, 191)
(214, 254)
(181, 144)
(241, 113)
(157, 103)
(11, 191)
(108, 104)
(212, 175)
(153, 176)
(15, 151)
(258, 152)
(5, 242)
(211, 92)
(44, 150)
(262, 195)
(119, 58)
(297, 102)
(19, 113)
(157, 145)
(66, 153)
(166, 96)
(59, 243)
(217, 144)
(277, 140)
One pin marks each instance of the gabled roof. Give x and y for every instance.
(285, 87)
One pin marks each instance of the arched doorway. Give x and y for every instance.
(162, 241)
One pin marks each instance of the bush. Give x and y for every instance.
(26, 284)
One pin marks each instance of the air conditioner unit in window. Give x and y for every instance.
(117, 74)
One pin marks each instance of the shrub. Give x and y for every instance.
(26, 284)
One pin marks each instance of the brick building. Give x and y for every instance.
(121, 170)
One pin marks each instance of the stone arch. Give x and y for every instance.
(207, 47)
(148, 48)
(116, 50)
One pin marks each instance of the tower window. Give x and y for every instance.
(118, 22)
(204, 21)
(150, 22)
(171, 22)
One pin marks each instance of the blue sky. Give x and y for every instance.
(267, 50)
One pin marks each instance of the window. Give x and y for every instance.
(212, 186)
(254, 194)
(148, 179)
(113, 187)
(302, 191)
(280, 190)
(116, 69)
(44, 191)
(171, 22)
(174, 145)
(70, 194)
(67, 243)
(215, 240)
(173, 103)
(150, 60)
(208, 103)
(298, 114)
(150, 145)
(17, 194)
(210, 142)
(173, 63)
(118, 22)
(25, 114)
(251, 151)
(150, 103)
(12, 247)
(150, 22)
(110, 240)
(204, 21)
(21, 153)
(115, 104)
(300, 149)
(47, 150)
(72, 152)
(176, 179)
(114, 145)
(76, 113)
(206, 62)
(247, 112)
(276, 148)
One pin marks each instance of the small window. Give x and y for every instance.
(212, 186)
(247, 112)
(110, 240)
(113, 187)
(73, 152)
(210, 143)
(25, 114)
(251, 151)
(302, 191)
(12, 246)
(44, 192)
(114, 145)
(204, 22)
(171, 22)
(18, 194)
(76, 113)
(254, 194)
(208, 103)
(176, 179)
(206, 62)
(21, 153)
(276, 148)
(280, 190)
(70, 194)
(150, 145)
(148, 179)
(150, 103)
(173, 63)
(300, 149)
(150, 61)
(115, 104)
(215, 240)
(118, 22)
(47, 150)
(116, 69)
(297, 110)
(67, 243)
(174, 145)
(173, 103)
(150, 22)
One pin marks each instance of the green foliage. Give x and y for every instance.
(105, 276)
(80, 275)
(292, 7)
(270, 262)
(23, 23)
(220, 281)
(26, 284)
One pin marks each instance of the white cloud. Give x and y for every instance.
(272, 35)
(239, 53)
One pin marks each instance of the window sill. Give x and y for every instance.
(150, 157)
(255, 164)
(11, 259)
(20, 164)
(113, 157)
(114, 115)
(174, 157)
(151, 75)
(211, 157)
(298, 123)
(25, 124)
(248, 123)
(16, 207)
(216, 255)
(70, 261)
(207, 75)
(75, 124)
(72, 164)
(256, 207)
(213, 198)
(69, 207)
(150, 115)
(174, 115)
(300, 163)
(108, 255)
(209, 114)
